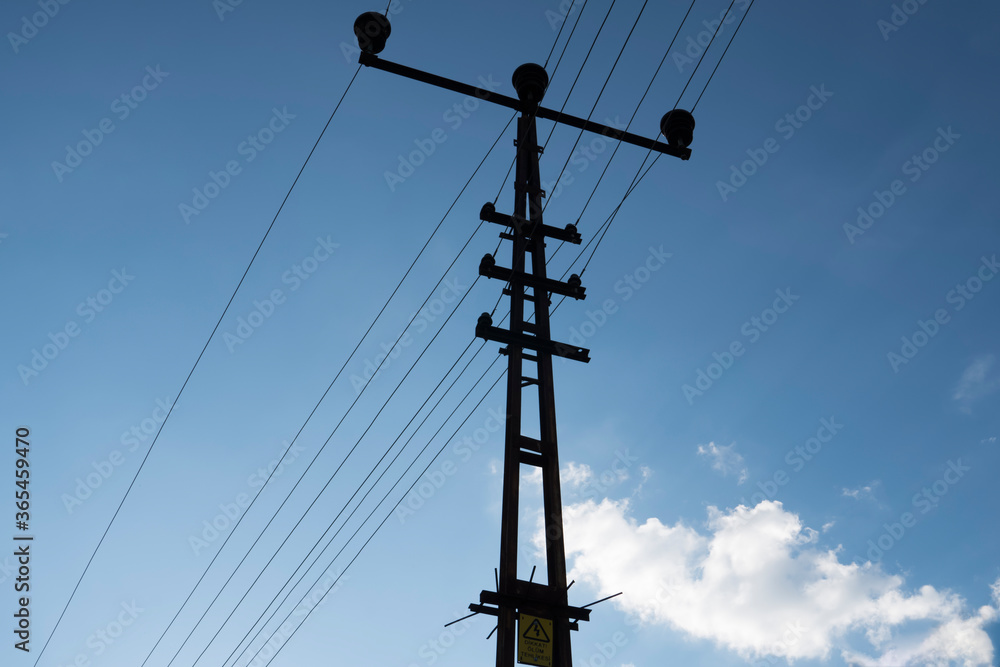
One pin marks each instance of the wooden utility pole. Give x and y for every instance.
(533, 619)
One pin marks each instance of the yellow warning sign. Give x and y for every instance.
(534, 641)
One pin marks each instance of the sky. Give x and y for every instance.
(783, 450)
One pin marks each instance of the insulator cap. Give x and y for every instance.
(372, 30)
(574, 281)
(678, 128)
(487, 211)
(486, 263)
(485, 320)
(530, 82)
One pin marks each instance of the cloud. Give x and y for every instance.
(573, 476)
(757, 584)
(976, 382)
(866, 491)
(726, 460)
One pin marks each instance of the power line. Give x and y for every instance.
(590, 50)
(635, 179)
(726, 50)
(361, 502)
(405, 494)
(330, 386)
(634, 113)
(722, 22)
(191, 372)
(325, 486)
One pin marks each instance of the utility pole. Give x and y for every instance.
(533, 619)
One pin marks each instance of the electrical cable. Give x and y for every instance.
(405, 494)
(349, 500)
(591, 113)
(328, 482)
(703, 53)
(635, 179)
(376, 370)
(328, 389)
(336, 377)
(191, 372)
(724, 52)
(358, 506)
(632, 186)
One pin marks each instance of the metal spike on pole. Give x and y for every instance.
(533, 619)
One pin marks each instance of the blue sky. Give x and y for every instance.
(784, 447)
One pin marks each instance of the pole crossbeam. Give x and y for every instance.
(371, 60)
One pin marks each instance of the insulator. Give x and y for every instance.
(372, 30)
(530, 82)
(678, 128)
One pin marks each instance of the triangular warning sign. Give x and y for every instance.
(536, 632)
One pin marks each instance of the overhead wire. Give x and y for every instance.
(336, 377)
(404, 495)
(191, 372)
(331, 384)
(325, 486)
(724, 52)
(498, 196)
(353, 495)
(635, 179)
(556, 68)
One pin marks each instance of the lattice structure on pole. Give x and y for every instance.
(545, 616)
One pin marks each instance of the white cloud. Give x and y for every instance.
(757, 584)
(575, 475)
(572, 477)
(866, 491)
(976, 382)
(726, 460)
